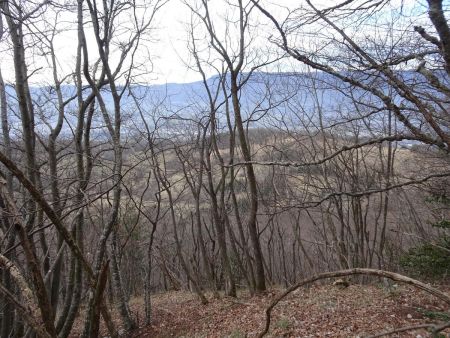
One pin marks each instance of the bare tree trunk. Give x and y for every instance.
(24, 100)
(122, 301)
(232, 145)
(181, 258)
(7, 320)
(251, 179)
(230, 285)
(46, 311)
(5, 129)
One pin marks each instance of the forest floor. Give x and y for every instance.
(317, 311)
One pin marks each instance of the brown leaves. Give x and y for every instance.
(320, 311)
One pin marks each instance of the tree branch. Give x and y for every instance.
(357, 271)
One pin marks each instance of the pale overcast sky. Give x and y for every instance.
(169, 52)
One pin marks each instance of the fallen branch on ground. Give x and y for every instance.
(357, 271)
(403, 329)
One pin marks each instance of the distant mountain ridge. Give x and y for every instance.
(280, 94)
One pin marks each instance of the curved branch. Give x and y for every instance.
(433, 327)
(357, 271)
(392, 138)
(375, 191)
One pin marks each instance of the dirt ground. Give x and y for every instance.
(319, 311)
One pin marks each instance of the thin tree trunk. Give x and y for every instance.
(251, 178)
(128, 322)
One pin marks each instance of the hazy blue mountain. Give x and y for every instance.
(296, 99)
